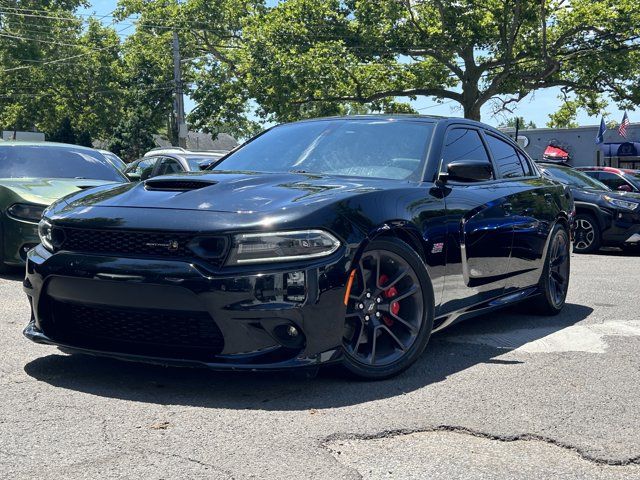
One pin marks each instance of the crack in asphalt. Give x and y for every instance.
(526, 437)
(228, 474)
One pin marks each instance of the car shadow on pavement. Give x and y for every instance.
(13, 275)
(445, 356)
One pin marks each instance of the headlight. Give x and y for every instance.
(281, 246)
(616, 202)
(24, 211)
(50, 236)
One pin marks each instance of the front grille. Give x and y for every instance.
(152, 244)
(168, 334)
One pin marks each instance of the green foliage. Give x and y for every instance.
(511, 123)
(246, 64)
(133, 136)
(66, 133)
(54, 67)
(304, 58)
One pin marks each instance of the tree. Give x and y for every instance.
(134, 135)
(305, 58)
(512, 121)
(323, 52)
(58, 70)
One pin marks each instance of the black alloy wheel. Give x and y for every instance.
(587, 234)
(554, 283)
(390, 311)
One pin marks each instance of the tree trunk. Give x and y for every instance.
(471, 110)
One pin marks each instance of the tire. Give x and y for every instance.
(588, 236)
(388, 331)
(557, 266)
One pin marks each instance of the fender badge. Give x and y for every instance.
(437, 247)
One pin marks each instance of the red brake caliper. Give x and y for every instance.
(389, 293)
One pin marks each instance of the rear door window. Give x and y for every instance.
(506, 158)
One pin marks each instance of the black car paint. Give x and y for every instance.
(616, 224)
(483, 246)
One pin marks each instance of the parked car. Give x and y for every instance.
(32, 176)
(114, 159)
(344, 240)
(620, 179)
(604, 217)
(164, 163)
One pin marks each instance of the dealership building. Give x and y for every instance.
(577, 146)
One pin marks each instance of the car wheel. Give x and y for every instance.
(389, 313)
(587, 234)
(554, 282)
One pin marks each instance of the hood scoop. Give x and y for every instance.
(176, 185)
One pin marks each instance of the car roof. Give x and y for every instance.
(602, 169)
(554, 164)
(20, 143)
(438, 119)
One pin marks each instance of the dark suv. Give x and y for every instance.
(604, 217)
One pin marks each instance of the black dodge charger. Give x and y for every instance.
(342, 240)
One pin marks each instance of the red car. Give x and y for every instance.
(615, 178)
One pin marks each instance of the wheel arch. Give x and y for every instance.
(593, 210)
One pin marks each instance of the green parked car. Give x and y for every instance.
(34, 175)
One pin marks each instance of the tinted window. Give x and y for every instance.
(526, 165)
(505, 158)
(143, 168)
(572, 177)
(196, 162)
(169, 166)
(43, 161)
(368, 148)
(612, 180)
(463, 144)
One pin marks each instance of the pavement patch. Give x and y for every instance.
(575, 338)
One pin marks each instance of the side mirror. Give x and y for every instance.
(469, 171)
(625, 188)
(134, 177)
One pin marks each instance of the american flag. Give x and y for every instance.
(622, 129)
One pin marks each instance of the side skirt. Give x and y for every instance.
(445, 321)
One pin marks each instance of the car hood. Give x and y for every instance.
(47, 190)
(583, 194)
(237, 192)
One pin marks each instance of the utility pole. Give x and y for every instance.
(179, 96)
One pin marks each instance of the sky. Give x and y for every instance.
(535, 107)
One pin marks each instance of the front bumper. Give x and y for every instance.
(624, 229)
(176, 313)
(18, 238)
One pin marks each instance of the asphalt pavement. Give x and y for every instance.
(504, 396)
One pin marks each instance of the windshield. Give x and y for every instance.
(574, 178)
(116, 160)
(42, 161)
(197, 161)
(392, 149)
